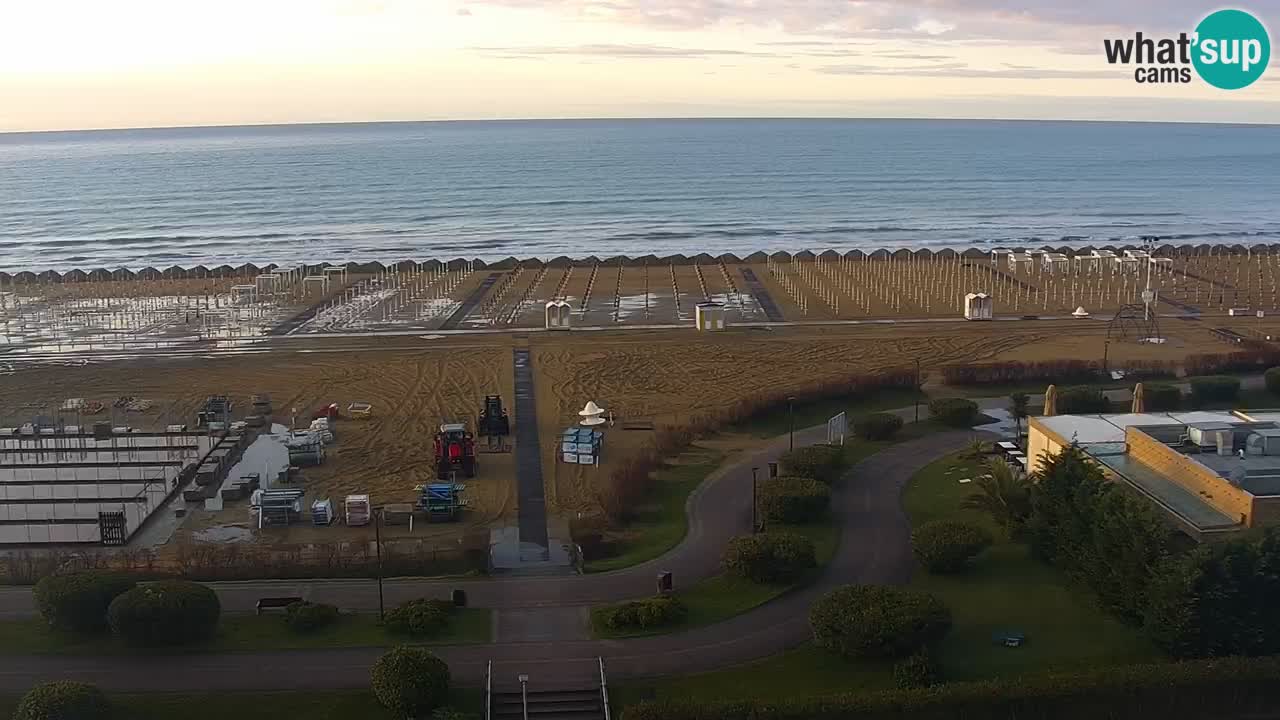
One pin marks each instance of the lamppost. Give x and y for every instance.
(791, 422)
(917, 393)
(754, 523)
(377, 535)
(1106, 348)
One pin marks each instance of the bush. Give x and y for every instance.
(410, 682)
(770, 557)
(1081, 400)
(305, 617)
(651, 612)
(956, 412)
(588, 533)
(820, 462)
(63, 700)
(793, 500)
(449, 713)
(1215, 388)
(419, 618)
(1272, 379)
(1162, 397)
(169, 612)
(947, 546)
(877, 426)
(919, 670)
(873, 621)
(78, 601)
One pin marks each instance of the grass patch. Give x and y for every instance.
(817, 413)
(311, 704)
(238, 633)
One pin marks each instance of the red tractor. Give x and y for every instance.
(455, 451)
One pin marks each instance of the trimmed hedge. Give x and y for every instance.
(917, 671)
(877, 426)
(820, 462)
(874, 621)
(63, 700)
(1272, 379)
(423, 617)
(770, 557)
(1215, 388)
(1162, 397)
(947, 546)
(305, 617)
(793, 500)
(1201, 690)
(168, 612)
(78, 601)
(956, 412)
(410, 681)
(1081, 400)
(644, 614)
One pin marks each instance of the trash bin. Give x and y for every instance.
(665, 584)
(459, 598)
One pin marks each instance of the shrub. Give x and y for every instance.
(588, 533)
(1079, 400)
(873, 621)
(410, 681)
(789, 499)
(78, 601)
(956, 412)
(770, 557)
(63, 700)
(1215, 388)
(644, 614)
(1162, 397)
(307, 617)
(419, 618)
(918, 670)
(947, 546)
(877, 426)
(169, 612)
(1013, 372)
(1272, 379)
(448, 713)
(820, 462)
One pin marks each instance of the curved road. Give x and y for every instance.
(874, 548)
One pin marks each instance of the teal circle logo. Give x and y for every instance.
(1232, 49)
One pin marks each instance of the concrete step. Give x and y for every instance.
(584, 704)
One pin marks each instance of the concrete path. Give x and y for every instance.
(531, 505)
(874, 548)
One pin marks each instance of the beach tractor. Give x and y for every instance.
(455, 451)
(493, 418)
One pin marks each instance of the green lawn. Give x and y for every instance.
(246, 633)
(721, 597)
(314, 705)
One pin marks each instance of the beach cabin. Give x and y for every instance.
(244, 293)
(978, 306)
(267, 283)
(999, 257)
(559, 315)
(709, 316)
(315, 282)
(1019, 262)
(1127, 264)
(1055, 262)
(357, 510)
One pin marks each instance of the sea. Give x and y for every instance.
(493, 189)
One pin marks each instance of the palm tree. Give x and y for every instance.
(1003, 494)
(1018, 410)
(975, 449)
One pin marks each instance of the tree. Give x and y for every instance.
(877, 426)
(169, 612)
(1003, 494)
(1018, 409)
(876, 621)
(820, 462)
(793, 500)
(63, 700)
(419, 618)
(78, 601)
(947, 546)
(410, 681)
(956, 412)
(770, 557)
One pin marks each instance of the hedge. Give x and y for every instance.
(947, 546)
(919, 670)
(168, 612)
(1082, 400)
(877, 426)
(307, 617)
(1200, 690)
(770, 557)
(63, 700)
(875, 621)
(793, 500)
(410, 681)
(423, 617)
(1160, 397)
(956, 412)
(1272, 379)
(78, 601)
(1215, 388)
(1013, 372)
(644, 614)
(820, 462)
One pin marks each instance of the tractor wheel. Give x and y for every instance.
(469, 467)
(443, 470)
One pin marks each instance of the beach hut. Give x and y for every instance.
(100, 275)
(559, 314)
(1055, 262)
(1019, 261)
(709, 316)
(729, 258)
(75, 275)
(978, 306)
(756, 258)
(803, 255)
(49, 276)
(560, 261)
(1000, 256)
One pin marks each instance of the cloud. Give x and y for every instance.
(962, 70)
(616, 51)
(464, 12)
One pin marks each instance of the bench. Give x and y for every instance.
(275, 603)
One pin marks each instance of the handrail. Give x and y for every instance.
(604, 689)
(488, 691)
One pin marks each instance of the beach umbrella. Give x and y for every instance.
(1139, 399)
(1051, 400)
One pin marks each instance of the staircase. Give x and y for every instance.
(531, 700)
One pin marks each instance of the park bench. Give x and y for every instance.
(275, 603)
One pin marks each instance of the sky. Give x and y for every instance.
(79, 64)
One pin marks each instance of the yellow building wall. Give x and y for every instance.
(1041, 443)
(1190, 474)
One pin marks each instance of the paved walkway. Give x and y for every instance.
(874, 548)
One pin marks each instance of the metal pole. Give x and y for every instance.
(524, 694)
(377, 534)
(754, 523)
(1106, 348)
(917, 392)
(791, 421)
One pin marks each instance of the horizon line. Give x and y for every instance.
(689, 118)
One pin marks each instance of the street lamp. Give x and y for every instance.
(791, 421)
(377, 535)
(754, 523)
(917, 392)
(1106, 348)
